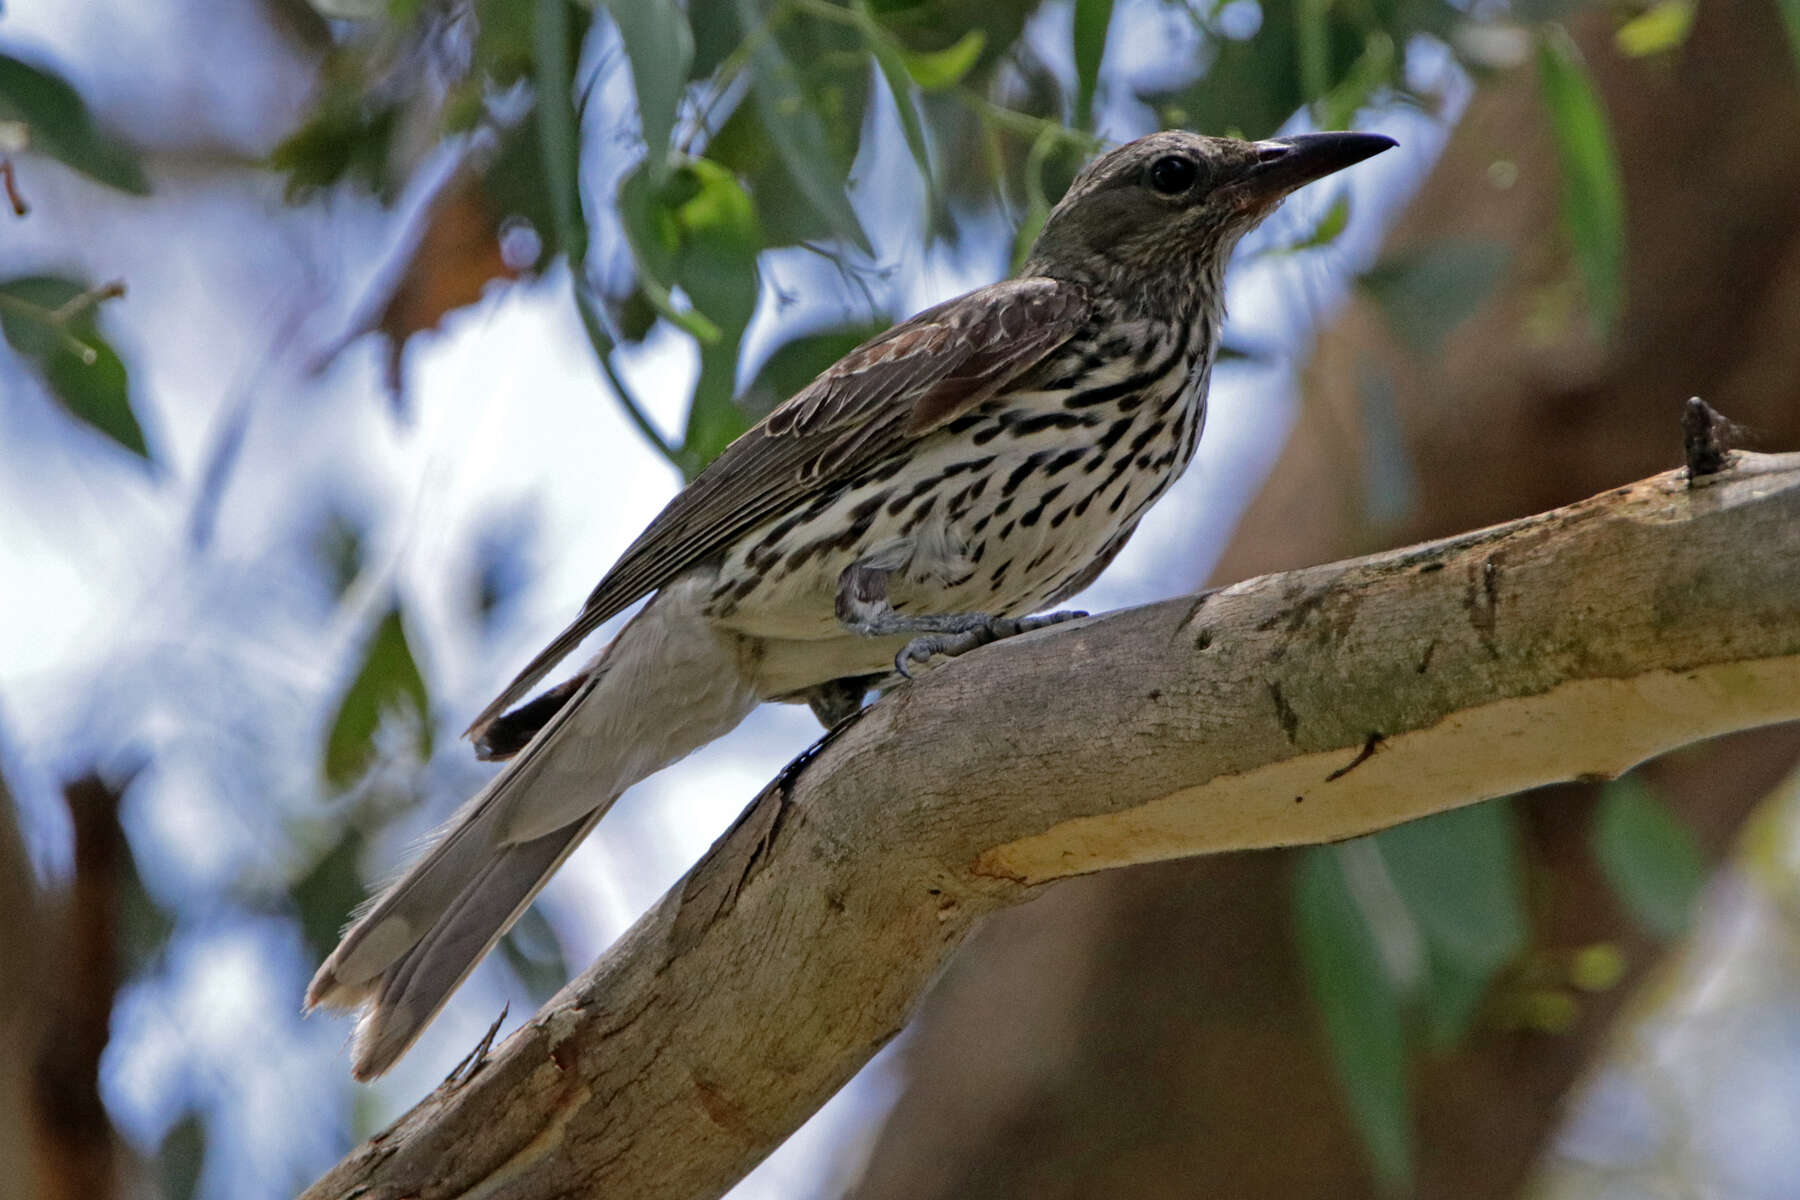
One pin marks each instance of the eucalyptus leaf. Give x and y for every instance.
(1648, 855)
(58, 123)
(1427, 291)
(535, 954)
(181, 1157)
(1460, 875)
(555, 45)
(798, 132)
(1658, 29)
(1593, 198)
(889, 59)
(1091, 20)
(935, 70)
(1358, 1004)
(1790, 17)
(660, 47)
(78, 365)
(330, 889)
(1332, 223)
(387, 681)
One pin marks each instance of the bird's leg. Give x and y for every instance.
(863, 608)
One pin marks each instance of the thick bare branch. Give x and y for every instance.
(1299, 707)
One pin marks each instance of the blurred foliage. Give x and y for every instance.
(52, 323)
(1360, 1007)
(750, 114)
(39, 111)
(1649, 857)
(181, 1156)
(1425, 293)
(1593, 204)
(1401, 935)
(1658, 29)
(1415, 938)
(387, 683)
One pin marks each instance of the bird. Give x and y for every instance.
(972, 466)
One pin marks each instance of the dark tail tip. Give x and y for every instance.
(508, 733)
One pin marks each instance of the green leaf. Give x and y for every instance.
(80, 367)
(388, 681)
(647, 213)
(1648, 856)
(535, 954)
(1390, 481)
(716, 267)
(59, 125)
(1659, 28)
(1452, 998)
(797, 132)
(144, 925)
(1459, 874)
(716, 33)
(660, 46)
(180, 1158)
(337, 547)
(1790, 16)
(1373, 70)
(1360, 1009)
(1593, 200)
(326, 894)
(797, 362)
(517, 184)
(1426, 292)
(1314, 46)
(1332, 57)
(890, 59)
(1037, 199)
(559, 126)
(698, 230)
(347, 137)
(1091, 19)
(935, 70)
(1336, 218)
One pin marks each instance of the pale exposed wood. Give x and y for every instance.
(1577, 641)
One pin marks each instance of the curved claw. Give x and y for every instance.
(979, 632)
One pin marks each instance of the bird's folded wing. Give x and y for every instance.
(891, 390)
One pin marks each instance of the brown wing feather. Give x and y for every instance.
(893, 388)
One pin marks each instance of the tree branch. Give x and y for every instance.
(1300, 707)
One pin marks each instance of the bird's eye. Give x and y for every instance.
(1173, 174)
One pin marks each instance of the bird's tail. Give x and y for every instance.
(664, 687)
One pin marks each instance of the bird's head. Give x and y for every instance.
(1175, 198)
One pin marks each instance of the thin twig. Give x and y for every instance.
(9, 180)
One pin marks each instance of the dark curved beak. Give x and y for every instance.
(1283, 164)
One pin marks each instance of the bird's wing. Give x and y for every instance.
(894, 388)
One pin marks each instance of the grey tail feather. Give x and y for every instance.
(420, 937)
(410, 990)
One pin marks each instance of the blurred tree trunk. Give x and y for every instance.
(19, 999)
(1148, 1033)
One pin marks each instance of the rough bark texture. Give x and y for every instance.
(1299, 707)
(1138, 1031)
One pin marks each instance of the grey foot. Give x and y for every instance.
(979, 630)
